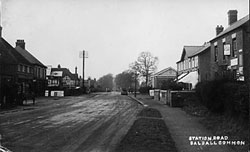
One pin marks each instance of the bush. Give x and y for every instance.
(144, 89)
(171, 85)
(225, 97)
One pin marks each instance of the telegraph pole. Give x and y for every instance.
(83, 64)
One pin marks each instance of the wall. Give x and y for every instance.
(204, 65)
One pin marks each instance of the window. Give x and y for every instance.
(215, 53)
(23, 68)
(193, 62)
(38, 73)
(190, 63)
(18, 67)
(240, 60)
(234, 48)
(41, 73)
(224, 56)
(196, 61)
(28, 70)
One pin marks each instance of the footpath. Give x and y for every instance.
(182, 126)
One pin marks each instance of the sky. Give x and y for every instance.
(113, 32)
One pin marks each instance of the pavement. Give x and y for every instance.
(182, 126)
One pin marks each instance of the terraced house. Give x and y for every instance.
(15, 75)
(187, 66)
(230, 49)
(226, 56)
(38, 70)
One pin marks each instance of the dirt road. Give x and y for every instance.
(70, 124)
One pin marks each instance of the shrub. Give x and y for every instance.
(170, 85)
(144, 89)
(225, 97)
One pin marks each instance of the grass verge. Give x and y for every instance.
(219, 124)
(149, 133)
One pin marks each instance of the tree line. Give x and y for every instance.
(139, 71)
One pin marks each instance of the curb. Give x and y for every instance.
(137, 100)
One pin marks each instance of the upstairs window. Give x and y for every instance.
(240, 60)
(234, 48)
(196, 61)
(224, 47)
(23, 68)
(18, 67)
(215, 53)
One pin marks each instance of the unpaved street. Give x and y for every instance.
(70, 124)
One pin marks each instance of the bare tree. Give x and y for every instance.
(145, 65)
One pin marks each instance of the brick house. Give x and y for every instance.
(163, 75)
(15, 75)
(230, 49)
(37, 69)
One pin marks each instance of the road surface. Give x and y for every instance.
(70, 124)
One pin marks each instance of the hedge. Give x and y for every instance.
(225, 97)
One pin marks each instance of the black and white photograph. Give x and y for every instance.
(124, 76)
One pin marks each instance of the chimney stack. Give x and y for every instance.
(75, 70)
(20, 43)
(219, 29)
(232, 16)
(59, 66)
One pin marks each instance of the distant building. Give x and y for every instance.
(230, 49)
(38, 70)
(163, 75)
(61, 79)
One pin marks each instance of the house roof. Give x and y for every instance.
(27, 55)
(66, 72)
(189, 50)
(164, 70)
(10, 54)
(206, 46)
(233, 26)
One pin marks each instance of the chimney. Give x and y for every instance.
(59, 66)
(232, 16)
(219, 29)
(75, 70)
(20, 43)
